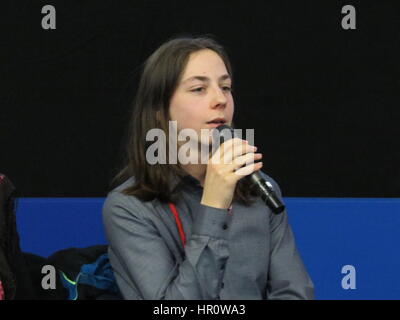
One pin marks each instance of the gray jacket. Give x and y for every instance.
(249, 253)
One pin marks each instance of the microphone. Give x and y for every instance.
(267, 194)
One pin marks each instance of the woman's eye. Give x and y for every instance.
(200, 89)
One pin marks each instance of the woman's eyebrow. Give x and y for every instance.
(206, 79)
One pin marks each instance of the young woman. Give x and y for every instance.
(195, 230)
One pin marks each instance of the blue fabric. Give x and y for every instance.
(98, 274)
(71, 287)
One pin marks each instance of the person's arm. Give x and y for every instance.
(142, 261)
(287, 278)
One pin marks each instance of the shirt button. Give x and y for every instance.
(225, 226)
(222, 285)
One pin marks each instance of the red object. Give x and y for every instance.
(1, 292)
(178, 223)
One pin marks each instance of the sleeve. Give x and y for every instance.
(287, 278)
(144, 266)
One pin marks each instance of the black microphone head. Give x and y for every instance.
(223, 133)
(222, 127)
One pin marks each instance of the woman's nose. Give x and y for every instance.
(219, 98)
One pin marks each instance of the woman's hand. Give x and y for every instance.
(231, 162)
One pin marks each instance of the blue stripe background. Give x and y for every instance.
(330, 233)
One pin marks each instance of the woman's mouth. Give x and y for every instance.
(214, 125)
(216, 122)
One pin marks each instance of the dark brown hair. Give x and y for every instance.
(160, 77)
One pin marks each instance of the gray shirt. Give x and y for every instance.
(248, 253)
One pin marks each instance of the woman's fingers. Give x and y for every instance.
(232, 149)
(246, 159)
(233, 160)
(249, 169)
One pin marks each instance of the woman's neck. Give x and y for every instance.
(197, 171)
(196, 167)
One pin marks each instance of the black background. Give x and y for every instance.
(323, 101)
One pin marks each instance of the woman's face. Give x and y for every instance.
(203, 93)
